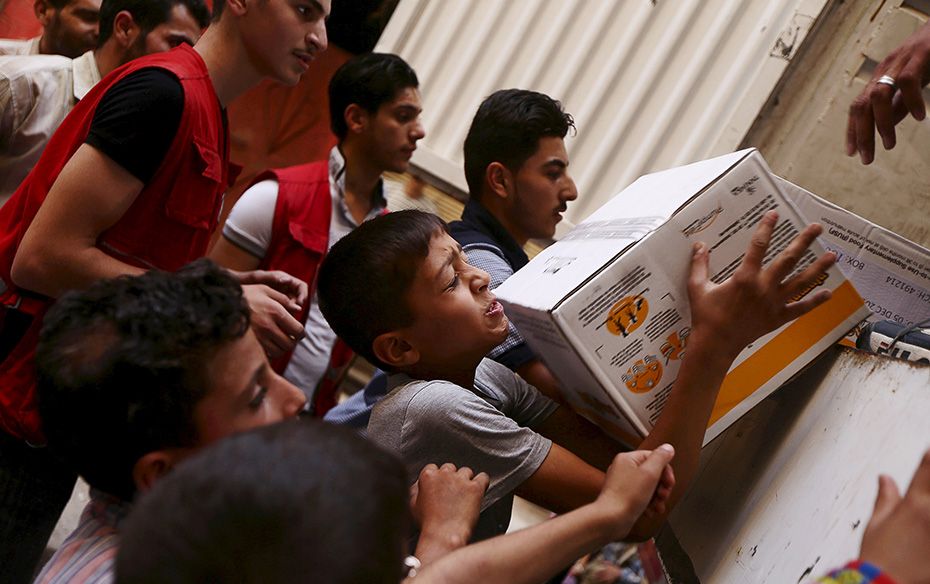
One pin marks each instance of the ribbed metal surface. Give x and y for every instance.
(651, 83)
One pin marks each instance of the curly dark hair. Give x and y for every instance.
(121, 366)
(507, 128)
(363, 282)
(297, 501)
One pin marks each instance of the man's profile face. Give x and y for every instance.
(542, 190)
(70, 31)
(395, 129)
(283, 37)
(180, 28)
(243, 392)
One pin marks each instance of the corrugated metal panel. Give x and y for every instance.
(651, 83)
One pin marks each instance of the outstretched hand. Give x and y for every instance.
(898, 534)
(295, 289)
(638, 484)
(880, 105)
(274, 298)
(272, 320)
(755, 300)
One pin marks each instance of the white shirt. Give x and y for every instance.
(20, 47)
(249, 227)
(36, 94)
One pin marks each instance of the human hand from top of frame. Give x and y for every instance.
(881, 106)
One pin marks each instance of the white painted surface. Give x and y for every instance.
(791, 485)
(652, 83)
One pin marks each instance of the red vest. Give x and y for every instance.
(299, 241)
(168, 225)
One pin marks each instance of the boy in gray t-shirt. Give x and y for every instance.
(401, 293)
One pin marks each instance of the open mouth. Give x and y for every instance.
(494, 309)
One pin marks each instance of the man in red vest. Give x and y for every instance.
(289, 218)
(133, 180)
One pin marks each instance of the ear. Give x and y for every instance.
(42, 10)
(356, 118)
(153, 466)
(394, 350)
(125, 29)
(238, 7)
(498, 180)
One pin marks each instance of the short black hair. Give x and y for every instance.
(363, 282)
(296, 501)
(218, 6)
(369, 81)
(148, 14)
(59, 4)
(507, 128)
(121, 366)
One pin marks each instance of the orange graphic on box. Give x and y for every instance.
(644, 375)
(674, 346)
(627, 315)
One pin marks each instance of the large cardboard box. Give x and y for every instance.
(891, 273)
(607, 308)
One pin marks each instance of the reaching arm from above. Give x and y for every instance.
(725, 318)
(894, 91)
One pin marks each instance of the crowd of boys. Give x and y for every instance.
(180, 388)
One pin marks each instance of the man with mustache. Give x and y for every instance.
(289, 218)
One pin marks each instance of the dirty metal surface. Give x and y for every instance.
(785, 493)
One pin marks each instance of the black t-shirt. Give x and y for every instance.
(137, 119)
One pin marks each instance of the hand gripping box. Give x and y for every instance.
(606, 307)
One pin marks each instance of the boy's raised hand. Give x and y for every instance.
(755, 300)
(638, 483)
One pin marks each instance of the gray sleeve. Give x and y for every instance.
(445, 423)
(513, 352)
(518, 400)
(251, 220)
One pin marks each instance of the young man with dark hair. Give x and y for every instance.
(69, 28)
(400, 291)
(36, 93)
(516, 167)
(315, 502)
(289, 217)
(132, 180)
(133, 374)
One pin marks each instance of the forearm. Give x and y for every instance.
(530, 555)
(684, 418)
(434, 545)
(52, 270)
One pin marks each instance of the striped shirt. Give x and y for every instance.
(88, 555)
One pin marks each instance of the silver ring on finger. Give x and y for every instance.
(887, 80)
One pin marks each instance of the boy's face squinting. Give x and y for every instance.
(542, 190)
(243, 392)
(456, 318)
(394, 131)
(282, 37)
